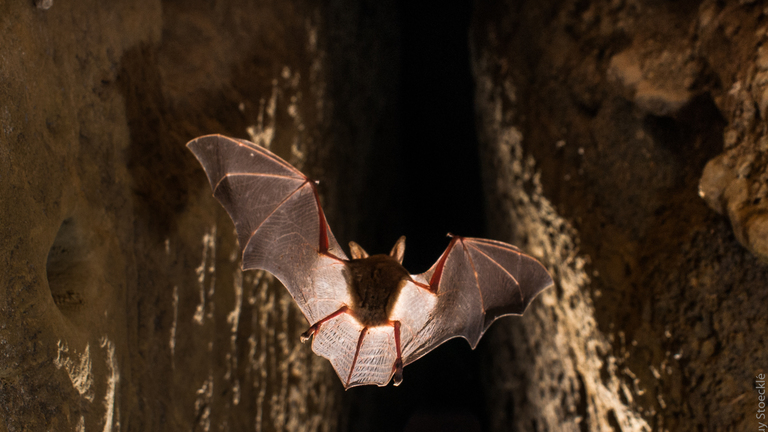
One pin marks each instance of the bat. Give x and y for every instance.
(368, 315)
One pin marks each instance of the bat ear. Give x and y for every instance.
(357, 251)
(399, 250)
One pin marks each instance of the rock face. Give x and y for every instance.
(597, 120)
(612, 134)
(123, 305)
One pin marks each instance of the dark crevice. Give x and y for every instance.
(66, 267)
(582, 406)
(430, 185)
(439, 160)
(693, 135)
(613, 421)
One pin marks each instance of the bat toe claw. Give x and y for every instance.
(398, 372)
(307, 334)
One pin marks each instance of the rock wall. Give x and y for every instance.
(597, 120)
(612, 134)
(123, 305)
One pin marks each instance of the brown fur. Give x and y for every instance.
(374, 284)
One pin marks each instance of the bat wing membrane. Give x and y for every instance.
(473, 283)
(337, 341)
(280, 225)
(281, 228)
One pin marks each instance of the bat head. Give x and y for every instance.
(397, 252)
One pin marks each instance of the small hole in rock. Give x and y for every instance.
(66, 266)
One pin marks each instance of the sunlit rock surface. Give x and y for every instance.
(123, 305)
(597, 120)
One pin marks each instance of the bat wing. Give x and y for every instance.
(280, 225)
(281, 228)
(474, 282)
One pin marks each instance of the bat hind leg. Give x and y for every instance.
(398, 366)
(357, 351)
(316, 326)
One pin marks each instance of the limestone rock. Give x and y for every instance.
(593, 165)
(123, 304)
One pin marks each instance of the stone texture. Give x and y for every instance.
(603, 125)
(597, 120)
(124, 307)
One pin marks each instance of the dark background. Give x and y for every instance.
(432, 173)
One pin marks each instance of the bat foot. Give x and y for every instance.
(307, 334)
(398, 372)
(312, 330)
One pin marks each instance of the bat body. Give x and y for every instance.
(368, 315)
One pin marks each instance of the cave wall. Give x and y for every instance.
(123, 305)
(612, 135)
(622, 143)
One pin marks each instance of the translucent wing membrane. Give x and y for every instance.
(282, 229)
(280, 225)
(337, 340)
(248, 180)
(474, 282)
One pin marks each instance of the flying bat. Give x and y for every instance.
(368, 315)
